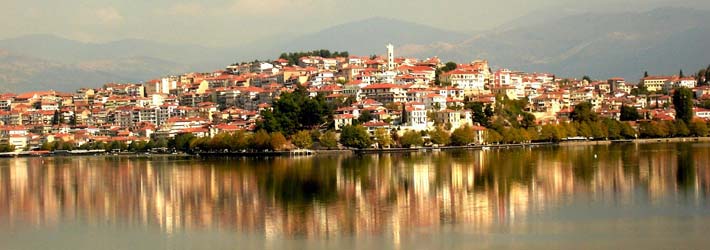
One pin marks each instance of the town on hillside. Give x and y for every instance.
(325, 100)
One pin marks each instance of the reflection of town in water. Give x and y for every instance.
(326, 196)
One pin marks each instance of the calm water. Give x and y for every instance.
(650, 196)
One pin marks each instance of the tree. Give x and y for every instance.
(5, 147)
(328, 140)
(627, 131)
(599, 131)
(681, 129)
(302, 139)
(261, 140)
(680, 74)
(56, 117)
(278, 141)
(411, 138)
(365, 116)
(239, 141)
(181, 142)
(72, 120)
(629, 113)
(583, 113)
(645, 74)
(480, 115)
(295, 111)
(528, 120)
(613, 129)
(587, 79)
(698, 127)
(551, 133)
(440, 136)
(293, 57)
(383, 138)
(463, 135)
(137, 146)
(584, 130)
(113, 146)
(449, 66)
(355, 136)
(683, 104)
(493, 136)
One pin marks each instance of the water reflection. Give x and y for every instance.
(322, 197)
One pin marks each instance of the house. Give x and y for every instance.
(456, 118)
(342, 120)
(654, 83)
(414, 116)
(435, 101)
(385, 92)
(702, 113)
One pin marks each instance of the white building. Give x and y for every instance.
(391, 66)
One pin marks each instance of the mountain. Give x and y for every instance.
(45, 61)
(569, 43)
(369, 36)
(19, 73)
(601, 45)
(69, 51)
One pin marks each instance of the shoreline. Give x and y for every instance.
(299, 153)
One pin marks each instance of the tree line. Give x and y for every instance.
(296, 111)
(293, 57)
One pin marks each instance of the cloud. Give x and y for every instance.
(186, 9)
(277, 7)
(108, 15)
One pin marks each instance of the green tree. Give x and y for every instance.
(365, 116)
(683, 104)
(492, 136)
(587, 79)
(613, 129)
(56, 117)
(239, 141)
(295, 111)
(302, 139)
(480, 115)
(584, 130)
(328, 140)
(599, 130)
(5, 147)
(583, 113)
(137, 146)
(681, 129)
(463, 135)
(383, 138)
(629, 113)
(627, 131)
(698, 127)
(261, 140)
(440, 136)
(528, 120)
(180, 142)
(449, 66)
(355, 136)
(411, 138)
(551, 133)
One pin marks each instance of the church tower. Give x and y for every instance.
(390, 57)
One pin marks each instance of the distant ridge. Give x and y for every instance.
(567, 43)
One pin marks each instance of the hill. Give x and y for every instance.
(601, 45)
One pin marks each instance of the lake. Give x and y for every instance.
(630, 196)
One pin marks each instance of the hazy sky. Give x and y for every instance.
(231, 22)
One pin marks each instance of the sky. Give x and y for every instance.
(228, 23)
